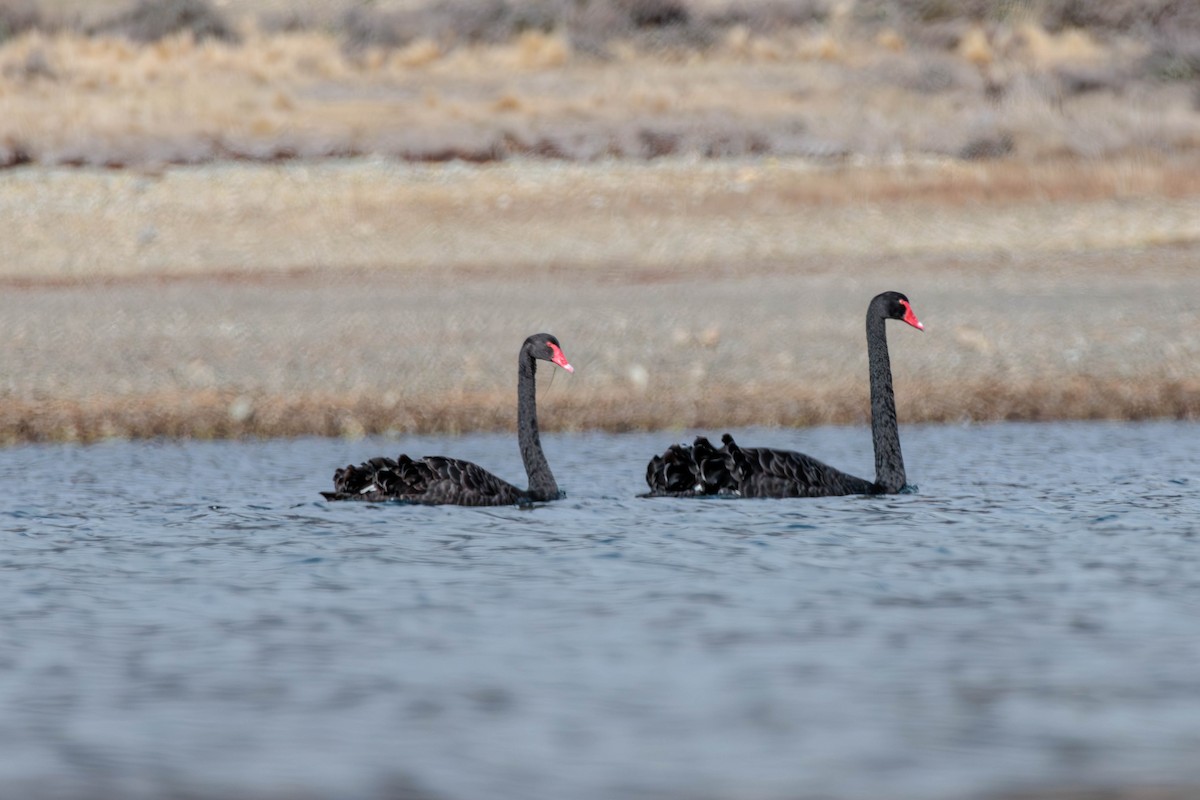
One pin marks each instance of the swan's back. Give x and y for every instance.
(766, 472)
(432, 480)
(699, 470)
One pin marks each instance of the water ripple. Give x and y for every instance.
(1027, 620)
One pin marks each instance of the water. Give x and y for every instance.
(191, 619)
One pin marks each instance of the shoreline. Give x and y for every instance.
(225, 415)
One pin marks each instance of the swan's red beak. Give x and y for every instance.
(910, 317)
(556, 355)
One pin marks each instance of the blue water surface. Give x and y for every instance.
(192, 620)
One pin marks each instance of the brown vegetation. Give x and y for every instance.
(177, 82)
(223, 415)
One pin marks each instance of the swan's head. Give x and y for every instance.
(896, 306)
(547, 348)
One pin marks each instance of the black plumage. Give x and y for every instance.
(691, 470)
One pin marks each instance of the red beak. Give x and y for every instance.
(558, 358)
(910, 317)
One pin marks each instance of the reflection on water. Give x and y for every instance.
(192, 619)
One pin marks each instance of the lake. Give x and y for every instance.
(193, 620)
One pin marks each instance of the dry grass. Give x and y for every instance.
(223, 415)
(829, 88)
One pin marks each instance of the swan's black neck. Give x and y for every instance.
(541, 481)
(889, 463)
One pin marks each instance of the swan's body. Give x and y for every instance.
(438, 480)
(431, 480)
(699, 469)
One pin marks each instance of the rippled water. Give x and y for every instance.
(191, 619)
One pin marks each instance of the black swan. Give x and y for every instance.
(437, 480)
(700, 469)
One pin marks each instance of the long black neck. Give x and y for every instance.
(541, 481)
(889, 463)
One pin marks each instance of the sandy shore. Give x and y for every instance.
(367, 296)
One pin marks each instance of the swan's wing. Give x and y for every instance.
(766, 472)
(432, 480)
(376, 476)
(672, 471)
(712, 468)
(689, 470)
(465, 483)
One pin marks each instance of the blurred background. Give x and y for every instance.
(340, 218)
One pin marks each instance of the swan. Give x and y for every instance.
(439, 480)
(700, 469)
